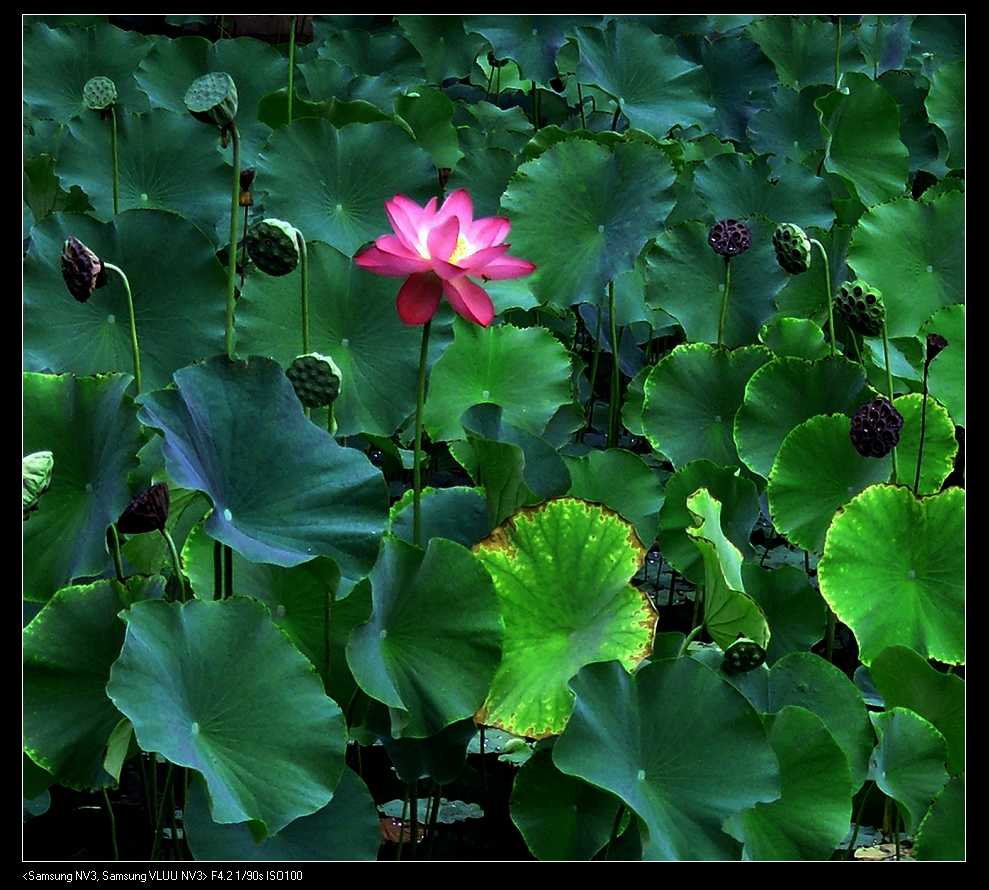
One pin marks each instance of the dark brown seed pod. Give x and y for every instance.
(82, 270)
(935, 343)
(876, 427)
(729, 237)
(148, 512)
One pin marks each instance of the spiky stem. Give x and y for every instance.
(176, 565)
(135, 350)
(160, 817)
(827, 283)
(594, 369)
(889, 386)
(304, 260)
(724, 303)
(417, 458)
(114, 539)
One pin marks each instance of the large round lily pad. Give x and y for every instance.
(940, 444)
(946, 107)
(561, 572)
(254, 720)
(90, 426)
(433, 641)
(946, 375)
(682, 769)
(582, 212)
(941, 834)
(792, 605)
(283, 491)
(180, 315)
(893, 570)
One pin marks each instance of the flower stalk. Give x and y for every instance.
(135, 350)
(417, 458)
(827, 285)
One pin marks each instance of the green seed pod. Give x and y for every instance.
(212, 99)
(99, 93)
(743, 655)
(862, 307)
(36, 476)
(273, 244)
(316, 379)
(792, 248)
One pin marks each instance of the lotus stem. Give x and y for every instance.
(484, 768)
(855, 343)
(217, 570)
(614, 830)
(858, 819)
(243, 252)
(594, 370)
(291, 69)
(160, 817)
(154, 796)
(829, 635)
(827, 283)
(113, 826)
(176, 565)
(304, 259)
(837, 54)
(689, 639)
(498, 82)
(876, 47)
(433, 818)
(614, 406)
(618, 114)
(889, 386)
(414, 816)
(113, 155)
(487, 91)
(228, 572)
(896, 832)
(171, 819)
(234, 220)
(417, 459)
(724, 303)
(580, 105)
(114, 539)
(923, 429)
(135, 350)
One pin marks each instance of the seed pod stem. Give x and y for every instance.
(690, 637)
(114, 540)
(827, 284)
(133, 324)
(889, 386)
(724, 303)
(234, 220)
(304, 259)
(176, 565)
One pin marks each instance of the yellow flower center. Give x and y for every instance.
(460, 251)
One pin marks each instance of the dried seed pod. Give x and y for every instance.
(743, 655)
(212, 99)
(148, 512)
(792, 248)
(36, 476)
(862, 307)
(82, 270)
(316, 379)
(729, 237)
(99, 93)
(876, 428)
(273, 244)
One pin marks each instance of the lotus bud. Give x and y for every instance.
(148, 512)
(792, 248)
(212, 99)
(876, 428)
(273, 244)
(935, 343)
(36, 476)
(316, 379)
(743, 655)
(99, 93)
(82, 270)
(246, 178)
(729, 237)
(862, 307)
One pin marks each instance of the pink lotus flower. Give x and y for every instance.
(438, 250)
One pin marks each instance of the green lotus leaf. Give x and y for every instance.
(532, 41)
(254, 721)
(559, 816)
(784, 393)
(940, 445)
(802, 48)
(681, 769)
(90, 427)
(524, 370)
(68, 650)
(942, 35)
(911, 251)
(732, 187)
(941, 834)
(166, 72)
(796, 337)
(164, 164)
(354, 322)
(446, 48)
(315, 175)
(742, 79)
(908, 763)
(623, 482)
(498, 468)
(486, 173)
(739, 512)
(508, 129)
(815, 806)
(729, 613)
(36, 780)
(792, 605)
(179, 315)
(633, 403)
(862, 133)
(805, 295)
(807, 680)
(379, 53)
(906, 680)
(655, 87)
(430, 115)
(790, 128)
(816, 472)
(691, 398)
(582, 212)
(926, 144)
(946, 375)
(434, 639)
(686, 278)
(346, 828)
(884, 40)
(284, 494)
(300, 598)
(946, 106)
(150, 554)
(561, 572)
(44, 195)
(893, 571)
(59, 61)
(458, 514)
